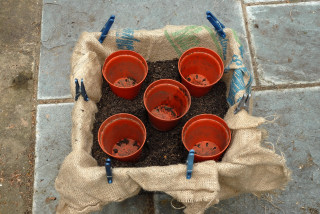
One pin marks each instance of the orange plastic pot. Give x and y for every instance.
(200, 68)
(122, 136)
(208, 135)
(166, 101)
(125, 72)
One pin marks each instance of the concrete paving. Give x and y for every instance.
(53, 137)
(296, 135)
(261, 1)
(288, 56)
(283, 39)
(139, 204)
(19, 54)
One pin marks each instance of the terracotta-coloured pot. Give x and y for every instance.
(208, 135)
(122, 136)
(125, 72)
(200, 68)
(166, 101)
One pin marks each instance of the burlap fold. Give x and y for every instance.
(245, 167)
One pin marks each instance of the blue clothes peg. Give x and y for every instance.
(108, 170)
(83, 91)
(190, 163)
(216, 24)
(106, 28)
(243, 103)
(77, 89)
(80, 90)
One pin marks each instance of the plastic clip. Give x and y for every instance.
(244, 103)
(77, 89)
(106, 28)
(216, 24)
(83, 91)
(190, 163)
(108, 170)
(80, 90)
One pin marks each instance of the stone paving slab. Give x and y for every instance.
(54, 73)
(273, 1)
(63, 22)
(162, 204)
(139, 204)
(285, 38)
(262, 1)
(53, 137)
(296, 134)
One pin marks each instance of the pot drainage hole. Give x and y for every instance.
(164, 112)
(206, 148)
(198, 79)
(125, 82)
(125, 147)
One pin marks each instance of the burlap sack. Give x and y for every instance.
(245, 167)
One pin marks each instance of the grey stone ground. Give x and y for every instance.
(19, 59)
(281, 40)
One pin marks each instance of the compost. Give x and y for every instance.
(161, 148)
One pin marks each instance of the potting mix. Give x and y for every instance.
(246, 166)
(162, 148)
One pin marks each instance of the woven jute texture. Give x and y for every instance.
(246, 167)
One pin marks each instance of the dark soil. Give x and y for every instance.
(161, 148)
